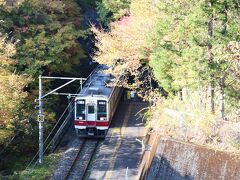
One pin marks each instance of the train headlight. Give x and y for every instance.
(80, 118)
(102, 118)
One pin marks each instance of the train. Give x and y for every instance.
(96, 104)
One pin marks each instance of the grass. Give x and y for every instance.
(189, 121)
(13, 163)
(40, 172)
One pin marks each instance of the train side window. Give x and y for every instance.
(80, 108)
(102, 110)
(90, 109)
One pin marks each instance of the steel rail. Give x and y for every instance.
(75, 160)
(89, 161)
(84, 169)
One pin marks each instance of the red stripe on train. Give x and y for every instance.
(100, 123)
(91, 123)
(80, 123)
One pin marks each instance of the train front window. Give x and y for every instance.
(102, 110)
(80, 106)
(90, 109)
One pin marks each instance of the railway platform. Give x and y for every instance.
(119, 155)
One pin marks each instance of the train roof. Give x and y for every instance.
(95, 85)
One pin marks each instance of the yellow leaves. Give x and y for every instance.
(143, 8)
(9, 4)
(4, 135)
(11, 85)
(7, 50)
(11, 93)
(234, 48)
(127, 38)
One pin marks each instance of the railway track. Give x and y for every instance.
(80, 164)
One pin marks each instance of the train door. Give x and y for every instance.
(91, 114)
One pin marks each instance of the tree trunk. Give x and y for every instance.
(200, 94)
(222, 105)
(180, 92)
(212, 93)
(210, 61)
(222, 79)
(205, 92)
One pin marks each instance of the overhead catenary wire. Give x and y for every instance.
(8, 144)
(47, 146)
(49, 135)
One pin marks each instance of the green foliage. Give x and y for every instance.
(180, 41)
(87, 3)
(41, 39)
(232, 94)
(39, 172)
(109, 10)
(190, 46)
(47, 36)
(124, 47)
(173, 38)
(5, 135)
(48, 50)
(14, 163)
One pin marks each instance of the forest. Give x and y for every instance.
(181, 56)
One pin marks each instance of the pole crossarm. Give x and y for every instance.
(66, 78)
(40, 99)
(58, 88)
(62, 78)
(66, 94)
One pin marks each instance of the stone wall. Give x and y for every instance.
(177, 160)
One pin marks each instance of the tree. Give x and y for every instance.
(112, 10)
(123, 47)
(44, 35)
(12, 86)
(186, 47)
(47, 41)
(184, 42)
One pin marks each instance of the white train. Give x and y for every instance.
(96, 104)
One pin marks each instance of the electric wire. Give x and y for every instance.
(49, 135)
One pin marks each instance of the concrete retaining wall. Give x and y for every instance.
(178, 160)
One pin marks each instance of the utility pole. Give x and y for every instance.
(40, 117)
(40, 121)
(69, 103)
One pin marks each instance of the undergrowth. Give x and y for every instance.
(5, 135)
(188, 120)
(40, 172)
